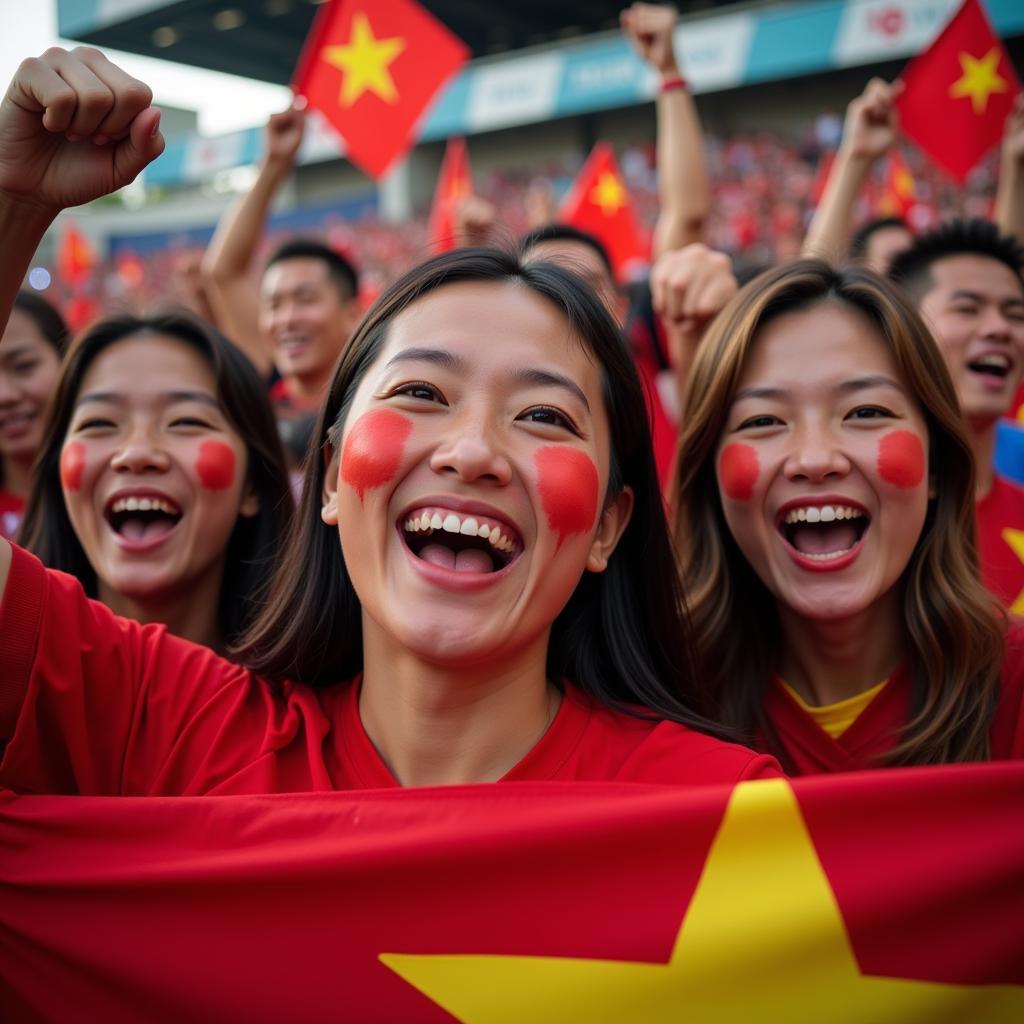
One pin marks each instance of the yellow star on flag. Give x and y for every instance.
(364, 63)
(1015, 540)
(979, 80)
(763, 941)
(609, 193)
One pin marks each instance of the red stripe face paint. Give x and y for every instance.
(216, 465)
(568, 485)
(72, 465)
(901, 459)
(373, 449)
(738, 469)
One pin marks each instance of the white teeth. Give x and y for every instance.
(999, 361)
(822, 513)
(828, 556)
(144, 505)
(427, 522)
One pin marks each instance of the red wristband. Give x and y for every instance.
(675, 82)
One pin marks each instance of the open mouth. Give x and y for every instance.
(460, 543)
(993, 365)
(824, 533)
(141, 519)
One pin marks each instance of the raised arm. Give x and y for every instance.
(868, 134)
(689, 287)
(683, 189)
(227, 265)
(73, 127)
(1010, 195)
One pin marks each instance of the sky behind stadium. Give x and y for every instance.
(28, 28)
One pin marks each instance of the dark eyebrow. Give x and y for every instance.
(15, 352)
(437, 356)
(547, 379)
(170, 397)
(965, 293)
(759, 393)
(878, 380)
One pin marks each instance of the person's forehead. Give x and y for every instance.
(149, 357)
(294, 272)
(976, 273)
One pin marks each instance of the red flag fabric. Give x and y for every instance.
(455, 182)
(75, 255)
(898, 191)
(371, 67)
(874, 896)
(599, 202)
(959, 92)
(821, 176)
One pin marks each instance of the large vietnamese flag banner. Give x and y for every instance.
(371, 67)
(887, 896)
(959, 92)
(599, 203)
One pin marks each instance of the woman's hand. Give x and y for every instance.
(74, 127)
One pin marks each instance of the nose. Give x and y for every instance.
(996, 325)
(140, 453)
(9, 392)
(816, 456)
(472, 452)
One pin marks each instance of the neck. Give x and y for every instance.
(192, 615)
(309, 389)
(436, 725)
(830, 661)
(983, 445)
(17, 476)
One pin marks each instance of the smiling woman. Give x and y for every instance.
(825, 519)
(475, 588)
(162, 485)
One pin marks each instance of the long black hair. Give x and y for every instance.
(622, 637)
(47, 529)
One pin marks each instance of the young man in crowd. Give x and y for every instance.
(965, 278)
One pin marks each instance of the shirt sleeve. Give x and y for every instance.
(94, 704)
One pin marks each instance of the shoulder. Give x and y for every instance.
(1004, 495)
(660, 751)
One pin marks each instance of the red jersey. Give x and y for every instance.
(1000, 518)
(94, 704)
(12, 508)
(809, 750)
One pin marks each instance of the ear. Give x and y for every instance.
(250, 505)
(329, 495)
(614, 520)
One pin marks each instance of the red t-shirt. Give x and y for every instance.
(809, 750)
(1000, 519)
(12, 508)
(94, 704)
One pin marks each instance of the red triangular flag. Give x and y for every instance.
(598, 202)
(371, 67)
(455, 182)
(898, 191)
(75, 256)
(959, 92)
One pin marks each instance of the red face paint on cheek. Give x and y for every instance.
(901, 459)
(738, 469)
(373, 449)
(568, 485)
(72, 465)
(216, 465)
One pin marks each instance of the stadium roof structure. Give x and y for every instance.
(262, 39)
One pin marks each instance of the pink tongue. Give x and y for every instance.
(146, 529)
(824, 538)
(468, 560)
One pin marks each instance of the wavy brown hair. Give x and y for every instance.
(954, 631)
